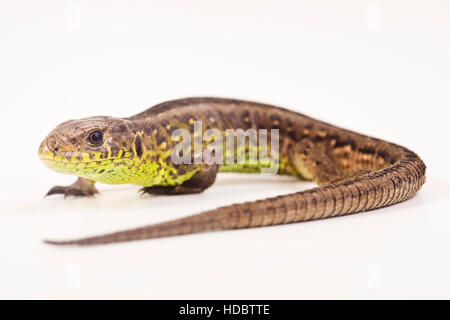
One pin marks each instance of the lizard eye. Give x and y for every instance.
(95, 138)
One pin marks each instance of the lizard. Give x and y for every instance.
(353, 172)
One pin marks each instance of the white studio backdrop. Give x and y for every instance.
(377, 67)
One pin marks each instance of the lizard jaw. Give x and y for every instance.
(83, 164)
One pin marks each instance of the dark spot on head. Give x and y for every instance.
(138, 146)
(118, 128)
(73, 140)
(101, 171)
(185, 118)
(160, 139)
(148, 129)
(318, 163)
(164, 123)
(114, 153)
(56, 149)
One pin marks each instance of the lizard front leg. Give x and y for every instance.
(202, 180)
(80, 188)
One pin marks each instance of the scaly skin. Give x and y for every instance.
(356, 173)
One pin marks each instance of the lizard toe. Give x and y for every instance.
(72, 191)
(56, 190)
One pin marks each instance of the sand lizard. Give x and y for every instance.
(354, 172)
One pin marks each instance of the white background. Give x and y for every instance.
(378, 67)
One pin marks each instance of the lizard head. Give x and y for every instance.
(95, 148)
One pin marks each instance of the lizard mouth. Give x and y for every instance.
(51, 158)
(102, 170)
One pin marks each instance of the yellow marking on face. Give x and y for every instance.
(305, 131)
(48, 155)
(60, 164)
(191, 121)
(119, 155)
(163, 145)
(92, 164)
(81, 165)
(75, 157)
(85, 157)
(322, 133)
(212, 119)
(276, 122)
(168, 127)
(246, 119)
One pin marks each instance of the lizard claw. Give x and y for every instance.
(81, 188)
(70, 191)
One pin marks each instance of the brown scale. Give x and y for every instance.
(354, 172)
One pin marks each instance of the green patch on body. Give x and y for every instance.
(143, 172)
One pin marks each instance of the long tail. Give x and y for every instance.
(393, 184)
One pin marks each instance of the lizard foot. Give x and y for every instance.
(81, 188)
(198, 183)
